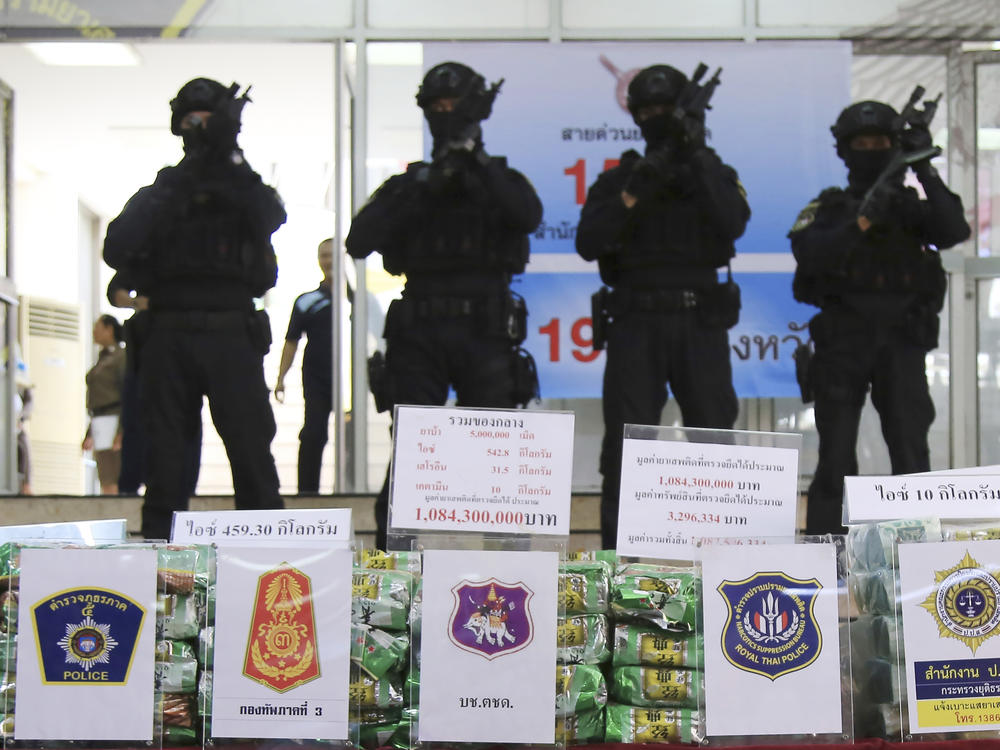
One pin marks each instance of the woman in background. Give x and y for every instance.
(104, 398)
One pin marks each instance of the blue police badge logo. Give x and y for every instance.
(771, 628)
(965, 603)
(87, 636)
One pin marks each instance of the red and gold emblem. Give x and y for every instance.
(281, 651)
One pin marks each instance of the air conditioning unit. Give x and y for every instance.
(55, 355)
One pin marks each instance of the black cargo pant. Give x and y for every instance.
(645, 352)
(427, 355)
(317, 391)
(855, 352)
(189, 355)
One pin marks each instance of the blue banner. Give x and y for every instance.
(560, 119)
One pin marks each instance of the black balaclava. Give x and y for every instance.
(866, 118)
(474, 102)
(219, 133)
(657, 84)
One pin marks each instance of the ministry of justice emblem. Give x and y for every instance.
(282, 652)
(491, 618)
(964, 603)
(771, 628)
(87, 636)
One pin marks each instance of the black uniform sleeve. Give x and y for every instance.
(603, 216)
(822, 238)
(383, 217)
(129, 233)
(518, 201)
(720, 194)
(942, 215)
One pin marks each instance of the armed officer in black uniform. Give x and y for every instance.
(659, 226)
(457, 227)
(867, 257)
(197, 244)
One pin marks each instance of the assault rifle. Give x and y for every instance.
(912, 118)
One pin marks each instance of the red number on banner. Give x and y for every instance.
(576, 333)
(551, 329)
(579, 171)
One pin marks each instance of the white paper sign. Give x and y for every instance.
(282, 646)
(241, 527)
(951, 633)
(86, 632)
(488, 646)
(772, 645)
(921, 496)
(507, 471)
(674, 492)
(85, 532)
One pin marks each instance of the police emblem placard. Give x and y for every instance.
(281, 650)
(772, 640)
(491, 618)
(87, 636)
(771, 628)
(85, 644)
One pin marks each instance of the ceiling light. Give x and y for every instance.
(84, 53)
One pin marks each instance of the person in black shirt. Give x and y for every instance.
(197, 244)
(877, 278)
(312, 315)
(457, 227)
(659, 226)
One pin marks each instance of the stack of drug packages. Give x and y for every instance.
(382, 602)
(183, 652)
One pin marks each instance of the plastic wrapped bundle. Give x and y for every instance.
(874, 591)
(584, 587)
(666, 597)
(176, 617)
(381, 598)
(582, 639)
(655, 686)
(366, 692)
(635, 725)
(579, 688)
(376, 651)
(639, 645)
(205, 693)
(870, 547)
(376, 559)
(580, 728)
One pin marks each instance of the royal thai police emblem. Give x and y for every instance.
(771, 628)
(87, 636)
(964, 603)
(491, 618)
(282, 652)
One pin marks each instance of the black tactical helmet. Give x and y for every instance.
(866, 118)
(457, 81)
(195, 95)
(657, 84)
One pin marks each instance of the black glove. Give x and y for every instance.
(694, 133)
(915, 138)
(880, 205)
(643, 181)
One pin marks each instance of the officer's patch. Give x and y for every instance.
(771, 627)
(87, 635)
(965, 603)
(806, 217)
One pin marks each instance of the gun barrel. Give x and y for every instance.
(699, 72)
